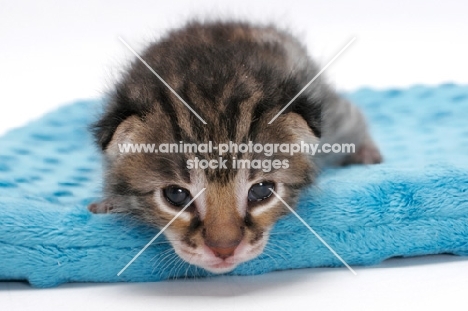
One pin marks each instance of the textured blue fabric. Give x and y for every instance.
(415, 203)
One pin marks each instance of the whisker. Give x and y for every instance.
(175, 265)
(282, 233)
(197, 276)
(161, 253)
(279, 250)
(181, 265)
(274, 260)
(286, 251)
(161, 261)
(274, 252)
(188, 266)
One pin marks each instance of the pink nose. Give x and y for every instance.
(224, 252)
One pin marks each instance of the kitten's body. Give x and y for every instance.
(237, 77)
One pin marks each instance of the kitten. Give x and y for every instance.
(237, 77)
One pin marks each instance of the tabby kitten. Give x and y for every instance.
(237, 77)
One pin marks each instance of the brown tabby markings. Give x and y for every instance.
(237, 77)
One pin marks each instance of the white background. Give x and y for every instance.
(53, 53)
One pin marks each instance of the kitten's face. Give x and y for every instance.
(237, 78)
(229, 222)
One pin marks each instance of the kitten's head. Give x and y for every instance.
(237, 93)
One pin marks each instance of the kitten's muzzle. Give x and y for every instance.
(224, 252)
(223, 244)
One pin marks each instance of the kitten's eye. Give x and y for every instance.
(177, 196)
(260, 191)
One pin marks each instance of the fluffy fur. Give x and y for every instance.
(413, 204)
(237, 76)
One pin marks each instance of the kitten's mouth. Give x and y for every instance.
(205, 259)
(221, 267)
(218, 265)
(213, 265)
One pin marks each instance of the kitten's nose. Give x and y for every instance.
(224, 252)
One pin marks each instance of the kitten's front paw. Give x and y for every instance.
(102, 207)
(367, 153)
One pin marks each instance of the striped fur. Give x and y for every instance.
(237, 77)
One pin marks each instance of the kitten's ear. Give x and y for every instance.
(300, 129)
(119, 108)
(310, 113)
(125, 133)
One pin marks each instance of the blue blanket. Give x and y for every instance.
(415, 203)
